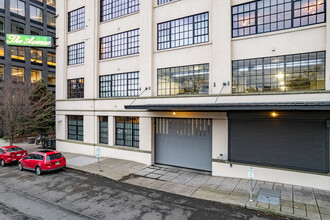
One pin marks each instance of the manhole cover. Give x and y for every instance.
(269, 196)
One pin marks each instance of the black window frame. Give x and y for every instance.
(33, 7)
(281, 76)
(271, 17)
(76, 19)
(121, 44)
(76, 53)
(130, 131)
(107, 8)
(15, 25)
(119, 85)
(103, 129)
(76, 88)
(17, 7)
(165, 35)
(75, 127)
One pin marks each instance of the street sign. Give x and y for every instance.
(28, 40)
(98, 152)
(251, 173)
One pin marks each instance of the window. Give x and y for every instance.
(190, 80)
(76, 19)
(111, 9)
(36, 55)
(51, 19)
(283, 73)
(51, 59)
(17, 28)
(17, 53)
(184, 31)
(121, 44)
(271, 15)
(17, 7)
(76, 127)
(127, 131)
(17, 74)
(2, 72)
(36, 14)
(2, 24)
(163, 1)
(76, 88)
(51, 79)
(51, 3)
(2, 48)
(103, 126)
(76, 53)
(35, 31)
(116, 85)
(2, 4)
(36, 75)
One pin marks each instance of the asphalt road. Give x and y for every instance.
(71, 194)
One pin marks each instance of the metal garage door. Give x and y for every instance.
(283, 142)
(184, 143)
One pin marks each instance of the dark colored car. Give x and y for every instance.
(11, 154)
(42, 161)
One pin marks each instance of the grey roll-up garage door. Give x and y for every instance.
(184, 143)
(299, 143)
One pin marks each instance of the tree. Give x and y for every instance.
(23, 106)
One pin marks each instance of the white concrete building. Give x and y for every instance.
(215, 85)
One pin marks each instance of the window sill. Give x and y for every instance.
(167, 3)
(75, 65)
(272, 33)
(117, 18)
(77, 30)
(119, 58)
(184, 47)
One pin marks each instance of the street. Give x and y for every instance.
(71, 194)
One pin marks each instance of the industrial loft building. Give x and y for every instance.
(27, 17)
(214, 85)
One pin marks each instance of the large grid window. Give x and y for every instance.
(51, 21)
(51, 3)
(35, 31)
(17, 27)
(2, 4)
(121, 44)
(36, 75)
(111, 9)
(76, 53)
(51, 79)
(193, 79)
(17, 7)
(163, 1)
(271, 15)
(2, 24)
(36, 55)
(18, 53)
(282, 73)
(76, 19)
(103, 129)
(2, 48)
(127, 131)
(76, 127)
(2, 71)
(117, 85)
(184, 31)
(17, 74)
(51, 59)
(36, 14)
(76, 88)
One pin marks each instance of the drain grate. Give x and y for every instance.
(269, 196)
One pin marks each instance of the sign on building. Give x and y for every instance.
(28, 40)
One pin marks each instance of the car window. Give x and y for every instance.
(39, 157)
(54, 156)
(2, 151)
(9, 150)
(29, 156)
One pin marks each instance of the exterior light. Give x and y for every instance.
(274, 114)
(174, 113)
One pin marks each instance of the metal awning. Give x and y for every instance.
(287, 106)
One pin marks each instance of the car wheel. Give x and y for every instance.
(2, 163)
(20, 167)
(38, 171)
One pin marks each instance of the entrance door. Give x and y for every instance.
(184, 143)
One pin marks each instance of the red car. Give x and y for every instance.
(11, 154)
(42, 161)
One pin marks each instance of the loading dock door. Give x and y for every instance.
(184, 143)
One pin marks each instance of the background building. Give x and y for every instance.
(35, 17)
(267, 60)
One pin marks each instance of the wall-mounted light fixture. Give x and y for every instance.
(173, 113)
(59, 121)
(274, 114)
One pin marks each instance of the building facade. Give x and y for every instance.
(35, 17)
(212, 85)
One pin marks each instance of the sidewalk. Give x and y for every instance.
(296, 201)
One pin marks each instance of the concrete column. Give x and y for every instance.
(220, 139)
(89, 128)
(146, 134)
(146, 43)
(111, 130)
(220, 32)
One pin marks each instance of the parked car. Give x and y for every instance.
(11, 154)
(42, 161)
